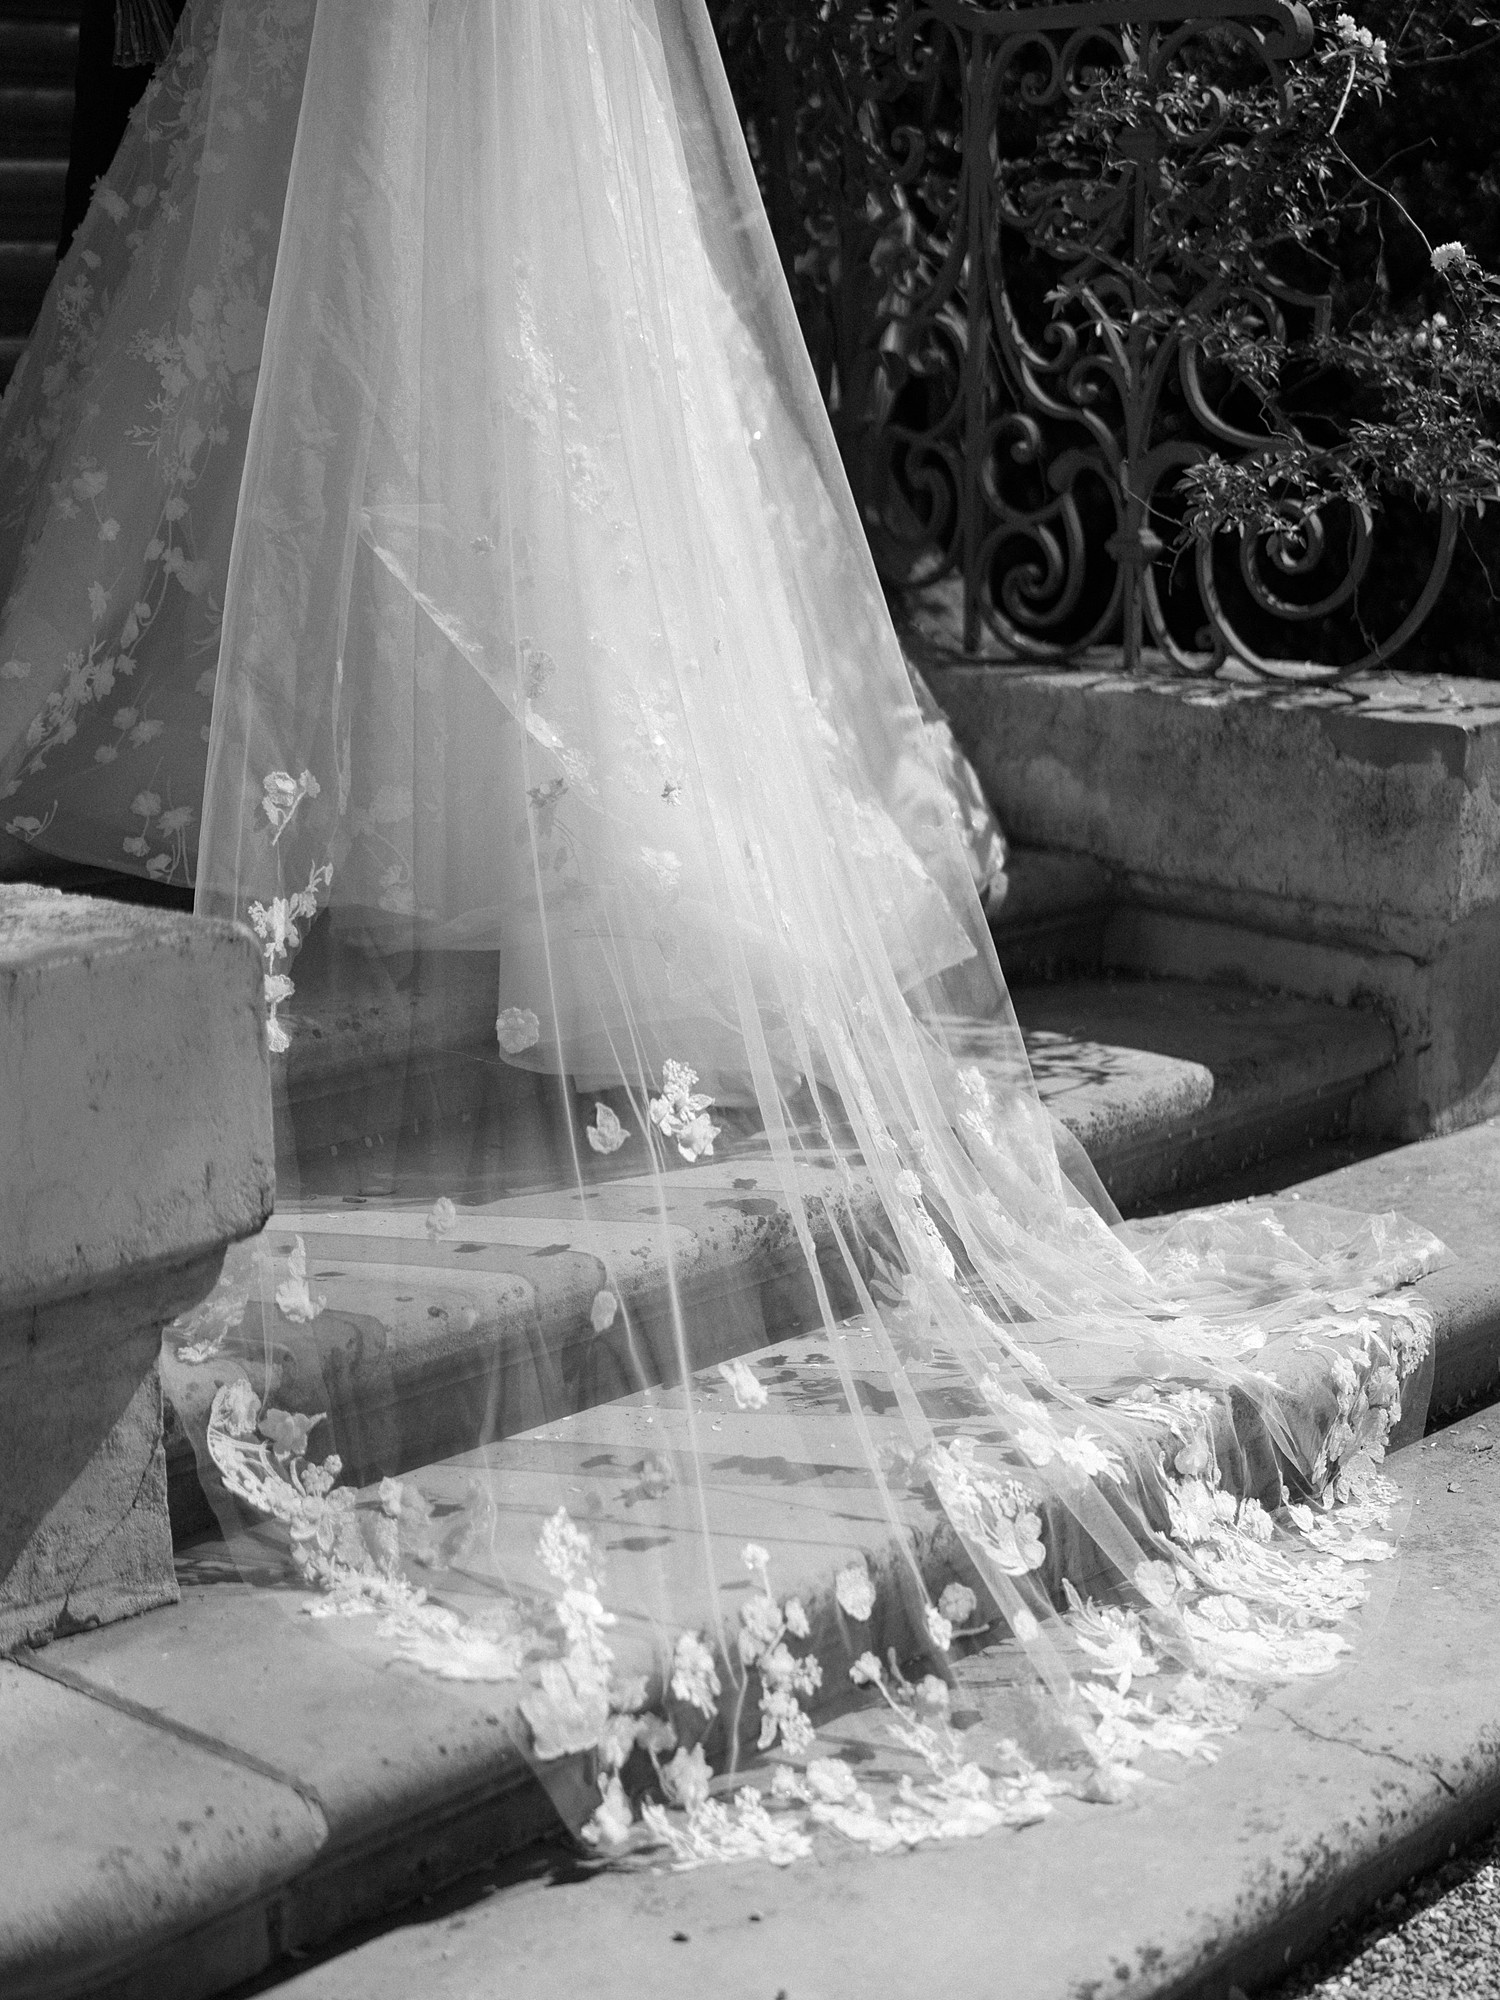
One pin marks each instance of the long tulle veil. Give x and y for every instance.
(424, 539)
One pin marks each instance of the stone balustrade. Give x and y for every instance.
(135, 1146)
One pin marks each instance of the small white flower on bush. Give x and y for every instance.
(517, 1028)
(748, 1393)
(855, 1592)
(1450, 257)
(602, 1312)
(866, 1671)
(958, 1603)
(606, 1134)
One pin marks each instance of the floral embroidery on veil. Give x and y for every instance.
(479, 492)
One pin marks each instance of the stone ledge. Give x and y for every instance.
(85, 1534)
(134, 1078)
(133, 1067)
(1167, 1082)
(119, 1833)
(1451, 1186)
(1369, 813)
(1326, 842)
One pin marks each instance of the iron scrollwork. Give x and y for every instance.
(1025, 379)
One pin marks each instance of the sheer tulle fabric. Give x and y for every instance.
(423, 400)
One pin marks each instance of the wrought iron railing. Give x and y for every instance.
(1014, 359)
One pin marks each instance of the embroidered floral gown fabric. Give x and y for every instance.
(422, 535)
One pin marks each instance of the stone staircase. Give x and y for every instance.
(254, 1790)
(257, 1787)
(38, 52)
(1167, 1084)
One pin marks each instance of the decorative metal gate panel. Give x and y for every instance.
(1014, 354)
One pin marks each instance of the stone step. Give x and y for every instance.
(1163, 1083)
(1333, 842)
(266, 1784)
(1452, 1187)
(1331, 1795)
(1168, 1083)
(423, 1343)
(135, 1112)
(1052, 922)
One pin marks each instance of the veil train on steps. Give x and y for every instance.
(422, 541)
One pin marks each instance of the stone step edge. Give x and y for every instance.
(1357, 1791)
(351, 1884)
(419, 1851)
(762, 1260)
(1194, 1144)
(1466, 1338)
(348, 1885)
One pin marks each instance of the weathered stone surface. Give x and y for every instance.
(1165, 1082)
(1206, 1878)
(422, 1344)
(418, 1779)
(120, 1839)
(84, 1529)
(136, 1099)
(1051, 923)
(1371, 815)
(1451, 1186)
(1340, 844)
(135, 1090)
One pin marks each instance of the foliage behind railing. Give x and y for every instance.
(1065, 276)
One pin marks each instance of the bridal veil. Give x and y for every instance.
(423, 539)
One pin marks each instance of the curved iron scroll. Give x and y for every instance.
(1021, 386)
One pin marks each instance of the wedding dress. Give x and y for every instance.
(422, 536)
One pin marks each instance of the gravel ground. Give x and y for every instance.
(1439, 1941)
